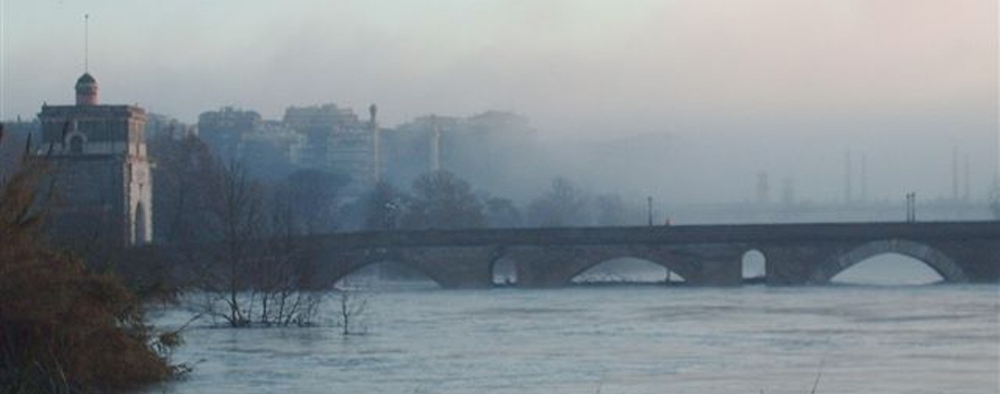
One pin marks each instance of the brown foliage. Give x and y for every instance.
(62, 328)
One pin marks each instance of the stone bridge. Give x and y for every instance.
(712, 255)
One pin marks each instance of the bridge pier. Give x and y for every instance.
(540, 267)
(979, 260)
(718, 273)
(795, 265)
(714, 264)
(454, 267)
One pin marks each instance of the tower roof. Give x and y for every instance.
(86, 78)
(86, 90)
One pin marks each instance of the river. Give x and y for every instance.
(618, 339)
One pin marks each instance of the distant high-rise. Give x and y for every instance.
(487, 149)
(223, 130)
(337, 141)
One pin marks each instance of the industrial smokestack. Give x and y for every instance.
(967, 193)
(954, 174)
(763, 189)
(864, 177)
(788, 191)
(848, 193)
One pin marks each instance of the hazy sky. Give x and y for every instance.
(784, 86)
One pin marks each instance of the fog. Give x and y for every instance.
(685, 100)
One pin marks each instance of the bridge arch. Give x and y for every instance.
(612, 274)
(939, 262)
(753, 264)
(359, 263)
(503, 271)
(672, 267)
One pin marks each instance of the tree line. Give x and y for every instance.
(261, 276)
(441, 200)
(190, 199)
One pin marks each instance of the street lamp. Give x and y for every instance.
(911, 207)
(649, 210)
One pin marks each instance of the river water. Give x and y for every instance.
(618, 339)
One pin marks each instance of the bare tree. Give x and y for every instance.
(285, 279)
(611, 210)
(442, 200)
(261, 275)
(185, 179)
(383, 206)
(238, 214)
(313, 194)
(352, 303)
(502, 212)
(563, 205)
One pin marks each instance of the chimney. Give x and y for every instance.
(864, 177)
(967, 194)
(954, 174)
(763, 190)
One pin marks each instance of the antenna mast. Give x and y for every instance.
(86, 43)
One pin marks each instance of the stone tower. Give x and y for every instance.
(100, 170)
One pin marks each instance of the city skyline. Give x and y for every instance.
(784, 88)
(499, 196)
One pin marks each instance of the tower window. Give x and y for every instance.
(76, 144)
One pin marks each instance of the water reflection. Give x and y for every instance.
(632, 339)
(627, 271)
(888, 269)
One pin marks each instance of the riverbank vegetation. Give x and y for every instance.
(63, 327)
